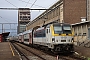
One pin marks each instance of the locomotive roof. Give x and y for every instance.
(56, 23)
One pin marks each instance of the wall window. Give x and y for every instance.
(84, 34)
(75, 34)
(79, 34)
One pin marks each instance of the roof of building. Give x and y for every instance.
(80, 23)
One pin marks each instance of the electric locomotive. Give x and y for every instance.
(57, 37)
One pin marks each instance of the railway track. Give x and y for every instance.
(21, 54)
(29, 53)
(33, 54)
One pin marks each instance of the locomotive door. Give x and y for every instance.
(22, 38)
(30, 38)
(48, 35)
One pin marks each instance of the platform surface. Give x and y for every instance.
(7, 52)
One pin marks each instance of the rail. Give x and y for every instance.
(22, 55)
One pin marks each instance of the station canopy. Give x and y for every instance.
(5, 35)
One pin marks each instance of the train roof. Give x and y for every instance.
(28, 31)
(55, 22)
(20, 34)
(41, 28)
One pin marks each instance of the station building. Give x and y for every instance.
(75, 12)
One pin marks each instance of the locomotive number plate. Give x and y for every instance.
(63, 40)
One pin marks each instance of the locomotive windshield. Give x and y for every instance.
(58, 29)
(67, 29)
(62, 29)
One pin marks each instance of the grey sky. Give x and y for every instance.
(11, 16)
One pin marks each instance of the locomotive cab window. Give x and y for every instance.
(67, 29)
(58, 29)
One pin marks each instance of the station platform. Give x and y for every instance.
(7, 52)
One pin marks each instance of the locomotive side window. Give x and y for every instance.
(47, 31)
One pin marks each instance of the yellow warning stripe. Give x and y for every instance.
(11, 49)
(53, 34)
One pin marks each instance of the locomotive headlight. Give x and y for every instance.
(53, 39)
(72, 40)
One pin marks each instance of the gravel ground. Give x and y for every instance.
(83, 51)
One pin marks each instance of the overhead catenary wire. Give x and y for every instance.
(37, 14)
(11, 3)
(27, 3)
(31, 3)
(8, 19)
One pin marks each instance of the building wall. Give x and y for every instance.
(88, 10)
(74, 10)
(81, 31)
(48, 16)
(68, 11)
(61, 13)
(22, 28)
